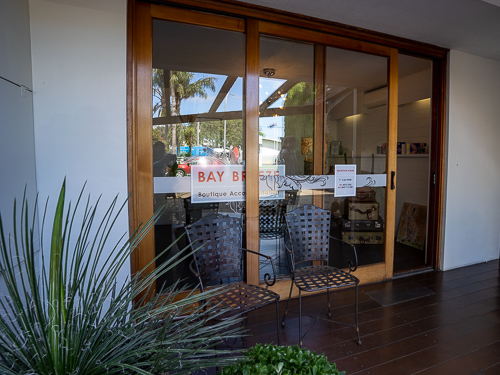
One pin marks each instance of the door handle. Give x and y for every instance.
(393, 175)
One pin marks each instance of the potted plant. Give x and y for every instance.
(71, 314)
(272, 359)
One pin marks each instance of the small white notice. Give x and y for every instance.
(345, 180)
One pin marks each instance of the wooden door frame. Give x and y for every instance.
(373, 272)
(256, 21)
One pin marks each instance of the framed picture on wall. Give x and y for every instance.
(412, 224)
(335, 148)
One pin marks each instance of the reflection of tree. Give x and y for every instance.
(189, 135)
(234, 133)
(298, 126)
(212, 133)
(159, 134)
(302, 94)
(177, 86)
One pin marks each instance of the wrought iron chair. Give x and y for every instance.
(308, 250)
(218, 261)
(272, 218)
(272, 227)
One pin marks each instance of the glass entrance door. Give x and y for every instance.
(320, 115)
(357, 135)
(286, 128)
(316, 115)
(197, 130)
(414, 164)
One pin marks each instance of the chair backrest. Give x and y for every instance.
(309, 230)
(272, 218)
(217, 238)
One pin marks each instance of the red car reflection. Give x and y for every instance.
(184, 168)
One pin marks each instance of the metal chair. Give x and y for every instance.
(308, 250)
(218, 261)
(272, 219)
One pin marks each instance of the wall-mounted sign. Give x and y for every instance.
(345, 180)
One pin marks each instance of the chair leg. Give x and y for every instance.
(287, 303)
(278, 321)
(300, 319)
(356, 316)
(328, 301)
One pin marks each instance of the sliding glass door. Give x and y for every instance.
(197, 128)
(356, 130)
(287, 112)
(286, 128)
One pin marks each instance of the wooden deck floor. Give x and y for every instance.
(454, 330)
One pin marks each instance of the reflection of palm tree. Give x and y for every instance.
(180, 86)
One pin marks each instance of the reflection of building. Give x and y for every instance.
(269, 150)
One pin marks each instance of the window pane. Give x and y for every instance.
(197, 121)
(286, 125)
(414, 131)
(356, 129)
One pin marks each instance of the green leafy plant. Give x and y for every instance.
(73, 314)
(271, 359)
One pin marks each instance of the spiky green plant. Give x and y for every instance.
(73, 314)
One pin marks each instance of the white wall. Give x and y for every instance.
(472, 220)
(17, 147)
(79, 82)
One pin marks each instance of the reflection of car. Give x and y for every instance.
(185, 168)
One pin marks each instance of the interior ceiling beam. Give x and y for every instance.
(228, 83)
(283, 89)
(232, 115)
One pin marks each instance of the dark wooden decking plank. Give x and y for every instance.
(456, 329)
(436, 354)
(492, 370)
(338, 339)
(470, 363)
(393, 344)
(419, 311)
(396, 327)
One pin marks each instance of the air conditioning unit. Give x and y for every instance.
(375, 98)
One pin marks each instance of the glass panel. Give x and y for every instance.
(286, 127)
(413, 172)
(197, 123)
(356, 132)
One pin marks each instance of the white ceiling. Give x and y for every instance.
(471, 26)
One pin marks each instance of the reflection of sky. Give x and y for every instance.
(271, 127)
(267, 86)
(233, 101)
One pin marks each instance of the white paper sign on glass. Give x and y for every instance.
(345, 180)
